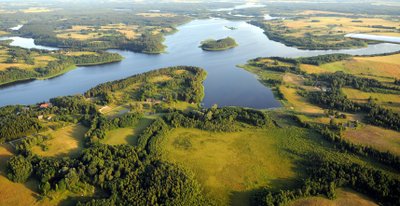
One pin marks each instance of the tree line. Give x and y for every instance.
(324, 177)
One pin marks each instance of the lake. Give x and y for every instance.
(226, 84)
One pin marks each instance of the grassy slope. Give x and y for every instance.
(231, 166)
(14, 193)
(345, 197)
(382, 68)
(66, 141)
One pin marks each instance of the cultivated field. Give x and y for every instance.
(379, 138)
(319, 26)
(390, 101)
(39, 60)
(381, 67)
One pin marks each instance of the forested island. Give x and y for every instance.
(218, 45)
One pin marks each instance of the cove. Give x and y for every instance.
(226, 84)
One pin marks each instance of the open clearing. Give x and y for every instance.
(227, 163)
(390, 101)
(381, 67)
(232, 166)
(127, 135)
(337, 25)
(11, 193)
(66, 141)
(345, 197)
(379, 138)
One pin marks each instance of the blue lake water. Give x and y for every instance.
(226, 84)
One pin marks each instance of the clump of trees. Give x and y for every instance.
(127, 175)
(186, 86)
(218, 45)
(19, 169)
(17, 126)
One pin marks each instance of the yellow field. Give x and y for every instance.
(390, 101)
(314, 12)
(230, 163)
(91, 32)
(80, 53)
(40, 61)
(379, 138)
(337, 25)
(299, 103)
(156, 14)
(384, 68)
(2, 33)
(345, 197)
(66, 141)
(36, 10)
(14, 193)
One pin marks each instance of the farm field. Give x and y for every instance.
(38, 60)
(131, 32)
(390, 101)
(337, 25)
(382, 67)
(326, 32)
(382, 139)
(66, 141)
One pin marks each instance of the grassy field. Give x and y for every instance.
(379, 138)
(292, 84)
(390, 101)
(299, 103)
(234, 163)
(80, 32)
(14, 193)
(66, 141)
(232, 166)
(40, 60)
(381, 68)
(127, 135)
(345, 197)
(336, 25)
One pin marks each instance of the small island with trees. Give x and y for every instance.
(218, 45)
